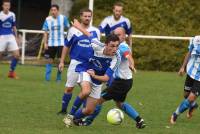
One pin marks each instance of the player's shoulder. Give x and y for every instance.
(108, 18)
(49, 18)
(11, 13)
(93, 28)
(125, 19)
(74, 31)
(196, 39)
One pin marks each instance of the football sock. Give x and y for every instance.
(13, 64)
(95, 114)
(65, 101)
(129, 110)
(48, 72)
(77, 103)
(183, 106)
(79, 114)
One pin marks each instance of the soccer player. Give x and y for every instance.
(121, 84)
(54, 27)
(8, 34)
(103, 64)
(192, 83)
(80, 51)
(110, 23)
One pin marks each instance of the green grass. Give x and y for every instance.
(29, 105)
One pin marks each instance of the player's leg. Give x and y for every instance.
(72, 78)
(187, 90)
(13, 47)
(59, 53)
(50, 54)
(187, 103)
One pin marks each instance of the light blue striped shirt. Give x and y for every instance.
(193, 65)
(55, 27)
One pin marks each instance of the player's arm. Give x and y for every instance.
(183, 67)
(65, 51)
(129, 33)
(103, 78)
(45, 40)
(130, 59)
(15, 30)
(130, 40)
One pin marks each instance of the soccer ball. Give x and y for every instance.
(115, 116)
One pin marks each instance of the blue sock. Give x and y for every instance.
(13, 64)
(130, 111)
(79, 114)
(65, 101)
(95, 114)
(77, 103)
(58, 77)
(183, 106)
(48, 72)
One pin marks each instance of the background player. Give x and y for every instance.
(78, 44)
(8, 34)
(110, 23)
(54, 26)
(192, 82)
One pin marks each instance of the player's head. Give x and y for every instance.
(54, 10)
(85, 16)
(120, 32)
(117, 10)
(111, 44)
(6, 5)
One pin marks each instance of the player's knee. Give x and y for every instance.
(69, 90)
(119, 104)
(89, 111)
(85, 93)
(192, 97)
(16, 56)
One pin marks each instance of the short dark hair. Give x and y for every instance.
(55, 5)
(111, 37)
(120, 4)
(85, 10)
(5, 1)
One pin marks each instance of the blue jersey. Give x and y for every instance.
(109, 24)
(193, 65)
(80, 44)
(101, 64)
(7, 22)
(55, 27)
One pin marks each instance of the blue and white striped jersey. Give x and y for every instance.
(193, 65)
(123, 71)
(80, 44)
(109, 24)
(55, 27)
(7, 21)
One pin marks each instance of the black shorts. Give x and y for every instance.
(53, 52)
(117, 90)
(192, 85)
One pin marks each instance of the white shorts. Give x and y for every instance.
(72, 76)
(8, 42)
(95, 89)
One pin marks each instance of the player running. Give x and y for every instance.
(120, 86)
(110, 23)
(8, 34)
(54, 27)
(192, 83)
(80, 51)
(103, 64)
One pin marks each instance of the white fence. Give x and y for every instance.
(25, 31)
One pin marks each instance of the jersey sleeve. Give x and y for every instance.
(66, 22)
(69, 39)
(97, 44)
(103, 25)
(191, 45)
(14, 20)
(129, 27)
(113, 66)
(124, 50)
(45, 26)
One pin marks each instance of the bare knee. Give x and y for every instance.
(88, 111)
(119, 104)
(69, 89)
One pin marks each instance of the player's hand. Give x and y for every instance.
(46, 46)
(91, 72)
(61, 66)
(181, 71)
(133, 69)
(76, 24)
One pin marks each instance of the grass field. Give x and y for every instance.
(29, 105)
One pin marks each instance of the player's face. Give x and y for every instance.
(86, 18)
(111, 47)
(6, 6)
(117, 11)
(54, 11)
